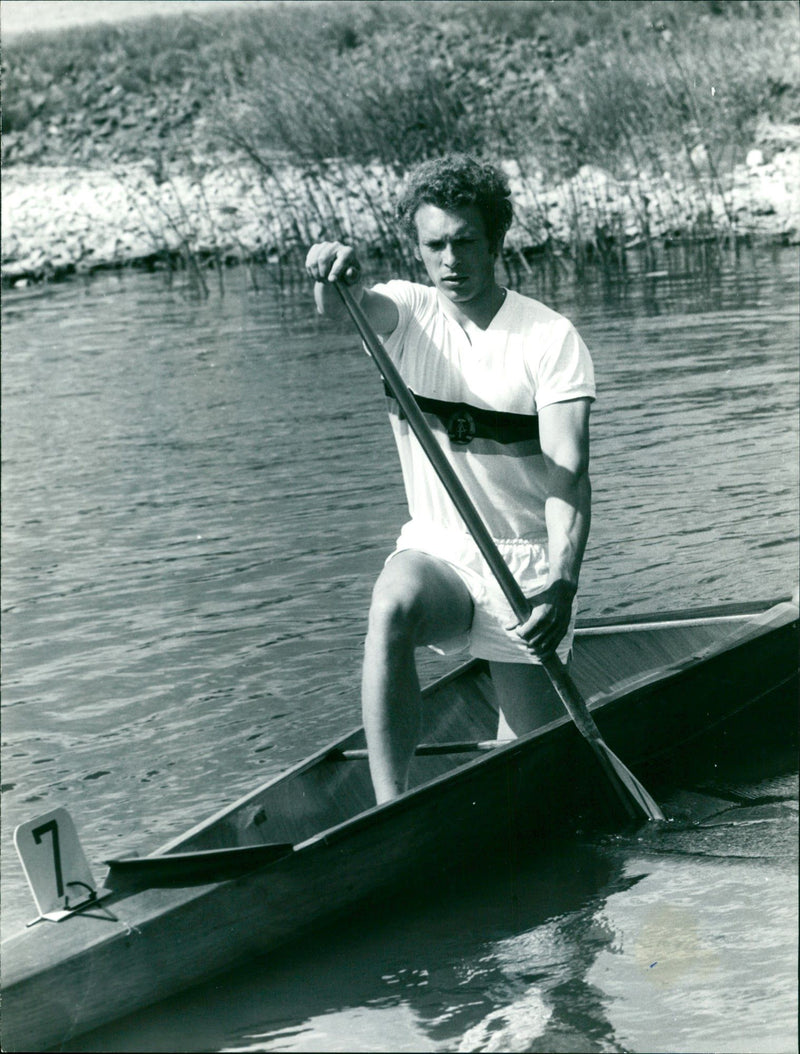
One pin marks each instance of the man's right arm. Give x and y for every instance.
(328, 261)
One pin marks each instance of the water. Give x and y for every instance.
(197, 497)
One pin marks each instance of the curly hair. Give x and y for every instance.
(456, 181)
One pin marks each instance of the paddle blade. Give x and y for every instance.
(635, 799)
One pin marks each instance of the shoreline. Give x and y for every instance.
(63, 220)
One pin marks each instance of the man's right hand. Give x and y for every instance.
(327, 261)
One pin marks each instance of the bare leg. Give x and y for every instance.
(417, 600)
(525, 697)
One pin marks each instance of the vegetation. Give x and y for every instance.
(682, 87)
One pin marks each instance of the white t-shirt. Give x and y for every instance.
(481, 391)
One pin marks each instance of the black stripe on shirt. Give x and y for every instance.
(464, 422)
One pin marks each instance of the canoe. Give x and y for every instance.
(309, 846)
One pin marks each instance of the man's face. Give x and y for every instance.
(454, 247)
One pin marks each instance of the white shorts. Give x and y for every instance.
(487, 637)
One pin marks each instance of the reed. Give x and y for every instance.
(664, 109)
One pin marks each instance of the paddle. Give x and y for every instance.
(632, 795)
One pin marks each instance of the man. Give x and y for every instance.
(506, 384)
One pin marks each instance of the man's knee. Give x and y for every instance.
(396, 612)
(418, 600)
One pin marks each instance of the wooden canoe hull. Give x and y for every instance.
(60, 980)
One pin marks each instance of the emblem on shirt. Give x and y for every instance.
(461, 426)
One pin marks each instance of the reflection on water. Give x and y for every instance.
(197, 498)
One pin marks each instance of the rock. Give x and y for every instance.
(777, 136)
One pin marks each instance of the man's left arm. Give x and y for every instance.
(564, 438)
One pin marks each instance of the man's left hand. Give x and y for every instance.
(551, 611)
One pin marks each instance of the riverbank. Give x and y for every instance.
(58, 221)
(205, 140)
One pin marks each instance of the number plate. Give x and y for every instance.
(55, 865)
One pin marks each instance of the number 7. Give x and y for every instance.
(57, 874)
(38, 834)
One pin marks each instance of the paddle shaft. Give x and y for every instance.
(633, 797)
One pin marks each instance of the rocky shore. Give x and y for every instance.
(63, 220)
